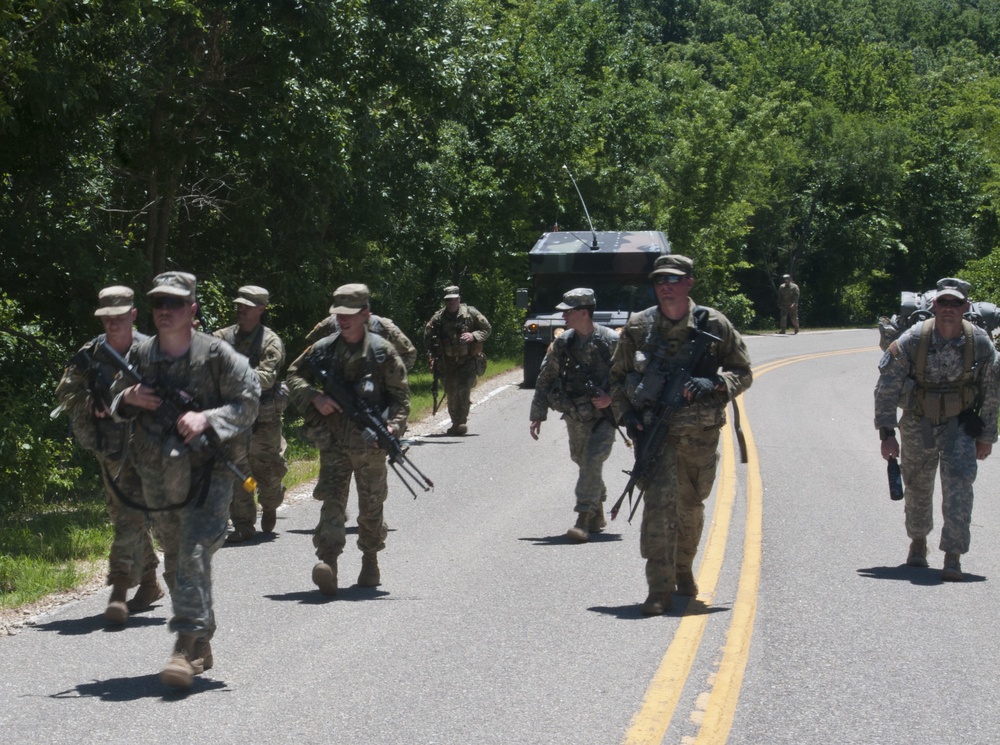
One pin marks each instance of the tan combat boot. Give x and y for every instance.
(117, 610)
(182, 666)
(203, 653)
(370, 576)
(324, 576)
(241, 534)
(952, 571)
(581, 531)
(657, 603)
(686, 585)
(268, 519)
(148, 593)
(917, 557)
(597, 521)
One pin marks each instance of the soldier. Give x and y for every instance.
(380, 325)
(185, 482)
(85, 393)
(573, 380)
(942, 374)
(369, 366)
(652, 344)
(266, 458)
(454, 338)
(788, 303)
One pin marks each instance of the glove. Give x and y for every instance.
(700, 387)
(632, 422)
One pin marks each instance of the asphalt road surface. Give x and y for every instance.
(492, 627)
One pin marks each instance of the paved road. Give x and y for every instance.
(491, 627)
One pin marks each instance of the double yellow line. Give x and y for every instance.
(654, 717)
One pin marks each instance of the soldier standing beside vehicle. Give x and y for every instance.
(788, 303)
(943, 373)
(573, 380)
(85, 393)
(186, 484)
(369, 366)
(646, 357)
(266, 457)
(454, 339)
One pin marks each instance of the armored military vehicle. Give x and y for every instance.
(615, 265)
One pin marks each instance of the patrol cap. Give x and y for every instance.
(350, 299)
(175, 284)
(672, 264)
(451, 292)
(786, 276)
(114, 300)
(581, 297)
(951, 286)
(251, 295)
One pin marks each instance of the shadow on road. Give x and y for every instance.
(680, 607)
(352, 594)
(78, 626)
(913, 575)
(134, 689)
(564, 540)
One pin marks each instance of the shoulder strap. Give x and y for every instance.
(969, 357)
(923, 347)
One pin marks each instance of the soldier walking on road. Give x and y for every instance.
(573, 380)
(186, 484)
(379, 325)
(454, 339)
(369, 366)
(266, 457)
(788, 303)
(943, 374)
(85, 393)
(649, 352)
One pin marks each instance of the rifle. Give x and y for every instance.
(373, 427)
(176, 402)
(670, 398)
(593, 390)
(434, 385)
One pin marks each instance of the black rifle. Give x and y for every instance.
(98, 383)
(670, 399)
(593, 390)
(174, 403)
(434, 385)
(373, 427)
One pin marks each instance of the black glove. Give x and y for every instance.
(632, 422)
(700, 387)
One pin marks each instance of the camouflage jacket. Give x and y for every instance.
(77, 391)
(648, 329)
(897, 384)
(217, 377)
(442, 332)
(373, 369)
(570, 362)
(788, 295)
(379, 325)
(262, 347)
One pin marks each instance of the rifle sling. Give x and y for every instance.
(203, 478)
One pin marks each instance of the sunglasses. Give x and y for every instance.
(170, 303)
(949, 302)
(669, 279)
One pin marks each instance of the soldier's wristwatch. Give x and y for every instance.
(884, 433)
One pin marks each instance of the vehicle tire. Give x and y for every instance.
(534, 353)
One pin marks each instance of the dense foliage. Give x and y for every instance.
(409, 144)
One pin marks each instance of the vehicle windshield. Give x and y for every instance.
(613, 293)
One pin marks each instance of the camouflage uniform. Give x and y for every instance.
(374, 369)
(927, 442)
(379, 325)
(227, 388)
(266, 457)
(674, 503)
(457, 359)
(560, 386)
(788, 296)
(132, 553)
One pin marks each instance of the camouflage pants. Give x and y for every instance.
(265, 460)
(789, 314)
(190, 536)
(459, 375)
(589, 447)
(132, 553)
(955, 453)
(336, 466)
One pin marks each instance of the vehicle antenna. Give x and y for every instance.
(594, 246)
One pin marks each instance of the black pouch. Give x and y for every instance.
(972, 423)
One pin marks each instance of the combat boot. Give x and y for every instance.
(581, 531)
(952, 571)
(148, 593)
(203, 652)
(370, 576)
(324, 576)
(686, 585)
(241, 533)
(918, 553)
(657, 603)
(268, 519)
(117, 610)
(179, 671)
(597, 521)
